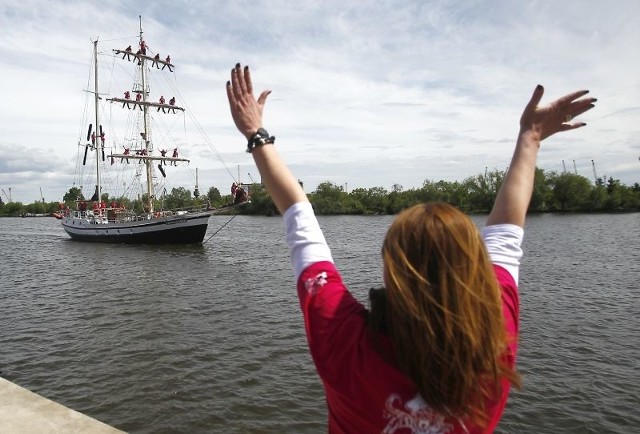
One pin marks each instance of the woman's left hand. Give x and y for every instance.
(245, 109)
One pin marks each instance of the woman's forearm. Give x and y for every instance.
(246, 111)
(513, 198)
(276, 176)
(536, 124)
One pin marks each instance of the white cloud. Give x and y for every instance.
(364, 94)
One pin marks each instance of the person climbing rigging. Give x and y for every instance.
(240, 196)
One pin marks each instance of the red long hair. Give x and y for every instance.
(444, 310)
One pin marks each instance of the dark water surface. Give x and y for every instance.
(166, 339)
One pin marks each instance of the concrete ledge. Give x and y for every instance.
(25, 412)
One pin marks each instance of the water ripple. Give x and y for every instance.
(162, 339)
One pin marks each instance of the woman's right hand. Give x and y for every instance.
(542, 122)
(536, 124)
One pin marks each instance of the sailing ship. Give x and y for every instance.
(116, 219)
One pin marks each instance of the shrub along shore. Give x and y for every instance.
(553, 192)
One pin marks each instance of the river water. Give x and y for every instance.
(187, 339)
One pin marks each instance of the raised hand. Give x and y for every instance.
(536, 124)
(245, 109)
(247, 115)
(542, 122)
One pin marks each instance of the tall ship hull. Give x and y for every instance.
(188, 228)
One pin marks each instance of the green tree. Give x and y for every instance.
(178, 198)
(453, 193)
(615, 195)
(261, 202)
(542, 196)
(215, 197)
(597, 198)
(482, 190)
(37, 207)
(400, 199)
(72, 195)
(13, 209)
(634, 197)
(370, 201)
(329, 198)
(571, 192)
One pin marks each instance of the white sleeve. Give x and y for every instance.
(304, 238)
(503, 243)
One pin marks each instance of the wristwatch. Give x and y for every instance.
(259, 138)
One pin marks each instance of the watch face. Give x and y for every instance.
(262, 132)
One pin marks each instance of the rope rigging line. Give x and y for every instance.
(222, 227)
(199, 127)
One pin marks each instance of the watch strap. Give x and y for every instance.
(259, 138)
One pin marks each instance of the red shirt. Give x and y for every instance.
(366, 392)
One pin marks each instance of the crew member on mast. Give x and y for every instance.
(161, 102)
(172, 101)
(126, 152)
(168, 63)
(127, 95)
(138, 99)
(163, 152)
(142, 51)
(175, 155)
(143, 153)
(127, 53)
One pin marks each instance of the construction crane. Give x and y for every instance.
(575, 169)
(595, 175)
(8, 196)
(41, 196)
(251, 178)
(196, 191)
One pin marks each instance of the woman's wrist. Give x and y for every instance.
(529, 137)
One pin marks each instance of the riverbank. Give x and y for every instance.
(22, 411)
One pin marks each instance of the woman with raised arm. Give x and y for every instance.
(436, 351)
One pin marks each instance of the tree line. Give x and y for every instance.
(553, 192)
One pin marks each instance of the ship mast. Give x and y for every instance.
(147, 130)
(97, 107)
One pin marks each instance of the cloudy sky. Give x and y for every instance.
(365, 94)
